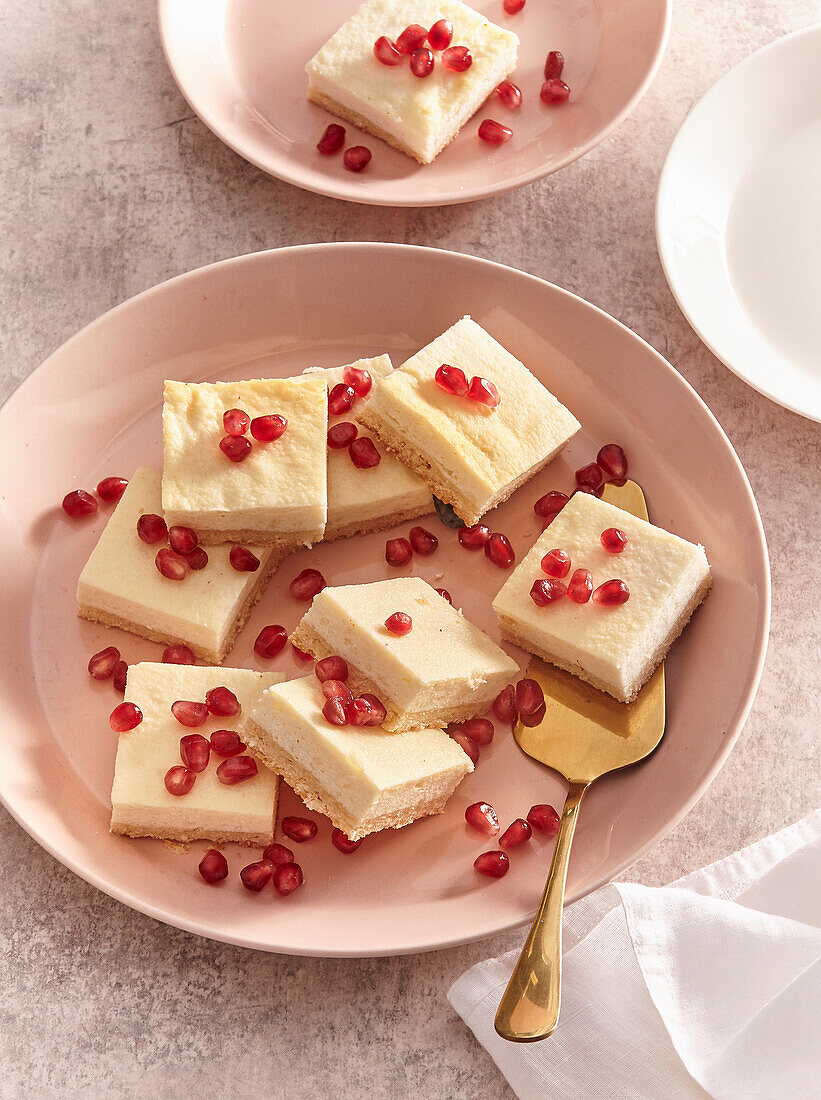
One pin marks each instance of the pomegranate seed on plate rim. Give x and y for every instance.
(287, 878)
(278, 853)
(556, 563)
(267, 429)
(189, 713)
(243, 560)
(480, 730)
(614, 540)
(364, 454)
(270, 640)
(554, 65)
(457, 58)
(357, 158)
(236, 447)
(195, 752)
(299, 829)
(440, 35)
(482, 817)
(256, 875)
(499, 550)
(544, 819)
(332, 668)
(173, 566)
(358, 379)
(343, 842)
(226, 743)
(151, 528)
(101, 665)
(515, 834)
(452, 380)
(554, 91)
(548, 591)
(213, 866)
(473, 538)
(424, 542)
(400, 624)
(468, 746)
(236, 769)
(580, 586)
(222, 702)
(79, 503)
(306, 585)
(119, 677)
(398, 552)
(411, 38)
(333, 137)
(494, 133)
(125, 717)
(235, 422)
(178, 655)
(342, 435)
(110, 489)
(179, 780)
(182, 540)
(492, 864)
(421, 62)
(504, 705)
(612, 593)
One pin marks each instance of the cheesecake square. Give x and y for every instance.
(418, 117)
(445, 670)
(361, 501)
(120, 584)
(140, 804)
(471, 456)
(614, 648)
(363, 778)
(275, 496)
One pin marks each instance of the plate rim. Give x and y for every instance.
(733, 733)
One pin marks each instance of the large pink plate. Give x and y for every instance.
(93, 409)
(240, 64)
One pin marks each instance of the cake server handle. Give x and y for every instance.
(529, 1009)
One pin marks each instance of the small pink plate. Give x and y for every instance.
(240, 64)
(93, 409)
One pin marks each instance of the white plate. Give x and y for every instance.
(738, 221)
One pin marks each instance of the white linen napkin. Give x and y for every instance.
(708, 987)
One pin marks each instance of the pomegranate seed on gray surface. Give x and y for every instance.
(179, 780)
(482, 817)
(189, 713)
(332, 668)
(195, 751)
(493, 864)
(101, 665)
(151, 528)
(235, 422)
(236, 769)
(270, 640)
(515, 834)
(79, 503)
(125, 717)
(213, 866)
(110, 489)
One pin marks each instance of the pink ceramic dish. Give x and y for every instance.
(92, 409)
(240, 64)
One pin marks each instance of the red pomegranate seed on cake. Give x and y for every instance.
(79, 503)
(483, 391)
(470, 748)
(336, 689)
(529, 697)
(611, 593)
(179, 780)
(510, 94)
(287, 878)
(613, 461)
(267, 429)
(493, 864)
(398, 552)
(119, 677)
(270, 640)
(235, 422)
(332, 668)
(195, 752)
(554, 65)
(580, 586)
(256, 875)
(424, 542)
(482, 817)
(334, 711)
(306, 585)
(151, 528)
(614, 540)
(189, 713)
(421, 62)
(226, 743)
(236, 769)
(236, 447)
(556, 563)
(213, 867)
(480, 730)
(343, 842)
(366, 710)
(125, 717)
(110, 489)
(504, 705)
(357, 158)
(545, 592)
(440, 35)
(364, 454)
(243, 560)
(299, 829)
(358, 379)
(386, 53)
(452, 380)
(197, 559)
(173, 566)
(443, 592)
(544, 818)
(499, 550)
(182, 540)
(494, 133)
(515, 834)
(277, 854)
(411, 38)
(475, 537)
(554, 92)
(333, 136)
(534, 719)
(178, 655)
(399, 623)
(101, 665)
(589, 476)
(342, 435)
(222, 702)
(457, 58)
(300, 654)
(513, 7)
(550, 504)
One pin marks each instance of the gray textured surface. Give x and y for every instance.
(109, 186)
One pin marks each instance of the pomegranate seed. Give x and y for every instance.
(443, 592)
(499, 550)
(366, 710)
(342, 435)
(470, 748)
(480, 730)
(452, 380)
(256, 875)
(386, 52)
(179, 780)
(182, 540)
(398, 552)
(189, 713)
(287, 878)
(529, 697)
(424, 542)
(79, 503)
(614, 540)
(544, 818)
(475, 537)
(178, 655)
(226, 743)
(483, 391)
(235, 422)
(195, 752)
(343, 842)
(197, 559)
(494, 133)
(270, 641)
(300, 654)
(110, 489)
(515, 834)
(493, 864)
(267, 429)
(580, 586)
(544, 592)
(236, 447)
(457, 58)
(611, 593)
(277, 854)
(440, 35)
(554, 91)
(534, 719)
(213, 866)
(299, 829)
(556, 563)
(554, 65)
(357, 158)
(550, 504)
(336, 689)
(243, 560)
(236, 769)
(613, 461)
(120, 676)
(421, 62)
(307, 584)
(222, 703)
(332, 140)
(588, 490)
(334, 711)
(510, 94)
(590, 476)
(504, 705)
(358, 379)
(399, 623)
(482, 817)
(513, 7)
(332, 668)
(125, 717)
(151, 528)
(173, 566)
(364, 454)
(411, 38)
(101, 665)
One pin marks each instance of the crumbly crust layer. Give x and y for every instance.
(378, 523)
(251, 537)
(185, 836)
